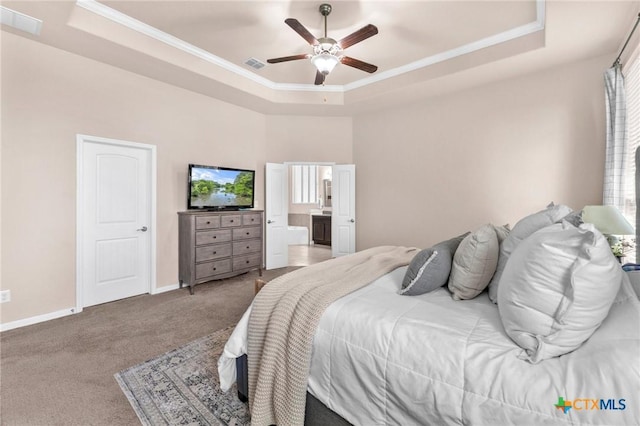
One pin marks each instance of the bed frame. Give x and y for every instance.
(316, 413)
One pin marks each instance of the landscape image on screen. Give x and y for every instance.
(220, 188)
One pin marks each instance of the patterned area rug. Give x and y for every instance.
(181, 387)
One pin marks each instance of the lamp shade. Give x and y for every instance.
(325, 62)
(608, 220)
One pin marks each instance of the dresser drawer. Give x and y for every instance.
(235, 220)
(207, 222)
(248, 261)
(247, 233)
(252, 219)
(216, 267)
(209, 237)
(249, 246)
(215, 251)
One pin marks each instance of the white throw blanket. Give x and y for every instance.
(283, 321)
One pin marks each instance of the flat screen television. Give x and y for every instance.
(220, 188)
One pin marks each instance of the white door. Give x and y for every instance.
(343, 218)
(115, 183)
(277, 215)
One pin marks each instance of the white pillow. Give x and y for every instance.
(474, 263)
(557, 288)
(502, 232)
(525, 227)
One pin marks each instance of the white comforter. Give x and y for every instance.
(381, 358)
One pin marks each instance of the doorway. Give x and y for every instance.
(308, 218)
(310, 208)
(116, 195)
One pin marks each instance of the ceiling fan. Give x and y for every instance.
(326, 51)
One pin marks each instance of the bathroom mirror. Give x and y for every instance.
(327, 192)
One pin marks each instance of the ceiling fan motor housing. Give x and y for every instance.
(325, 9)
(327, 45)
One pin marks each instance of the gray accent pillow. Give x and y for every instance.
(430, 268)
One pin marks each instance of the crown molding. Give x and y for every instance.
(140, 27)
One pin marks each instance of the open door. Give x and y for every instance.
(343, 218)
(276, 215)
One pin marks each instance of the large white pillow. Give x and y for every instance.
(525, 227)
(557, 288)
(474, 263)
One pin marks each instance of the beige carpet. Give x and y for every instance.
(61, 372)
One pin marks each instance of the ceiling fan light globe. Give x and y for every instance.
(325, 62)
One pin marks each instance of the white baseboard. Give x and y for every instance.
(166, 288)
(37, 319)
(63, 313)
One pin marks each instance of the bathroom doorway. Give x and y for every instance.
(306, 194)
(309, 217)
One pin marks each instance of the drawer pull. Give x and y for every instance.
(208, 223)
(248, 247)
(215, 252)
(215, 269)
(248, 233)
(247, 261)
(214, 237)
(252, 220)
(231, 221)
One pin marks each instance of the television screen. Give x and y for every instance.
(220, 188)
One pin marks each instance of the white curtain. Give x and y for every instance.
(616, 147)
(635, 249)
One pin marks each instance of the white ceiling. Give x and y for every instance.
(423, 47)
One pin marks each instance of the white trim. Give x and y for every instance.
(141, 27)
(493, 40)
(79, 220)
(166, 288)
(66, 312)
(311, 163)
(168, 39)
(20, 21)
(80, 140)
(37, 319)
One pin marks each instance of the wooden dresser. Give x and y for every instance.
(216, 245)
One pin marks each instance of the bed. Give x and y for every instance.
(381, 358)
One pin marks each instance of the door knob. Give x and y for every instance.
(143, 229)
(270, 221)
(352, 220)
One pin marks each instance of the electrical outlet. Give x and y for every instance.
(5, 296)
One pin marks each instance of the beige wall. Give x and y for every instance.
(49, 96)
(309, 139)
(489, 154)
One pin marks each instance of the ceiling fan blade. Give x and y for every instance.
(362, 34)
(319, 78)
(356, 63)
(288, 58)
(300, 29)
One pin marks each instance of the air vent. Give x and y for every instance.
(254, 63)
(20, 21)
